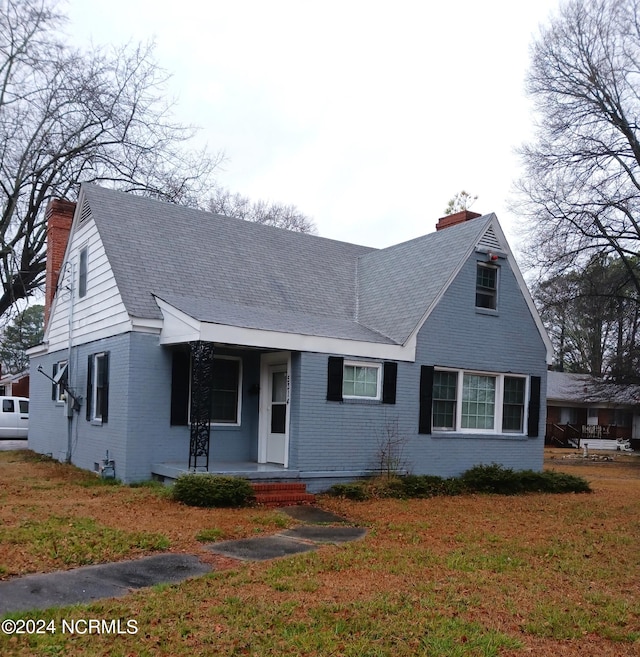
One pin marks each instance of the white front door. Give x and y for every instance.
(274, 409)
(277, 413)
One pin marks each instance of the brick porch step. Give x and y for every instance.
(274, 494)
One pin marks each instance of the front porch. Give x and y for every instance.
(316, 481)
(246, 469)
(573, 435)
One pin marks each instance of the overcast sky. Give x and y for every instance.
(367, 115)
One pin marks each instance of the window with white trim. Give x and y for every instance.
(478, 402)
(82, 272)
(361, 380)
(98, 387)
(445, 386)
(486, 286)
(226, 397)
(60, 376)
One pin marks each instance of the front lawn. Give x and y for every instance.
(478, 575)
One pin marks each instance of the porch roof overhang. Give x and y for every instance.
(184, 322)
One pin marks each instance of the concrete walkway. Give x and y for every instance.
(90, 583)
(68, 587)
(8, 444)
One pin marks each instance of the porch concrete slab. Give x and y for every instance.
(94, 582)
(261, 548)
(313, 515)
(326, 534)
(245, 469)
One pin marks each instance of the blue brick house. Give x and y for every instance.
(180, 340)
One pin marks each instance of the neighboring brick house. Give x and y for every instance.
(195, 341)
(583, 408)
(14, 385)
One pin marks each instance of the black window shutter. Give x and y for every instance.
(426, 398)
(53, 385)
(180, 387)
(89, 385)
(104, 411)
(534, 408)
(389, 379)
(334, 378)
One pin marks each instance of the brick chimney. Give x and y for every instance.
(456, 218)
(58, 216)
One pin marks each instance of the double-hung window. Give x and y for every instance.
(478, 402)
(98, 388)
(487, 286)
(226, 390)
(361, 380)
(513, 404)
(226, 397)
(445, 386)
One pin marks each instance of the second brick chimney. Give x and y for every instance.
(456, 218)
(58, 215)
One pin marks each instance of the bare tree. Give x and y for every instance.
(222, 201)
(68, 116)
(581, 190)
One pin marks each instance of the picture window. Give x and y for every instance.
(361, 380)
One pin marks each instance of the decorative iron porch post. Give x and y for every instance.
(201, 394)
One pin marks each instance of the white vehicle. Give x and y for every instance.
(14, 417)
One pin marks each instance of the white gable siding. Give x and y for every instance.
(99, 314)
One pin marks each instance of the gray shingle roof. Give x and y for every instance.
(229, 271)
(412, 274)
(586, 389)
(286, 321)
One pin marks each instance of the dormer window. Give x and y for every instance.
(487, 286)
(82, 273)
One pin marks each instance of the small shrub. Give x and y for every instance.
(492, 478)
(553, 482)
(390, 455)
(355, 491)
(207, 490)
(495, 478)
(385, 486)
(431, 486)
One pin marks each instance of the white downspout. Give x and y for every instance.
(69, 403)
